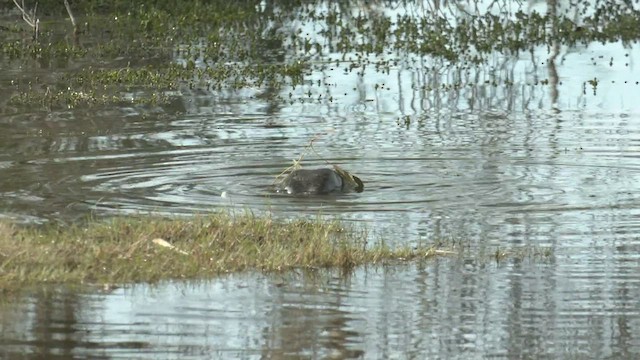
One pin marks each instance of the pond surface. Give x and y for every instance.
(531, 165)
(445, 309)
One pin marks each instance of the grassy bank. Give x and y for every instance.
(130, 250)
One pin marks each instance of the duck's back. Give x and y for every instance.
(312, 181)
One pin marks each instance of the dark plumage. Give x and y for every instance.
(320, 181)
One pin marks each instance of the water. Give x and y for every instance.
(527, 165)
(445, 308)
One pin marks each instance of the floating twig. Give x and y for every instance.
(296, 162)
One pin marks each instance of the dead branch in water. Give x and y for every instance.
(73, 22)
(30, 19)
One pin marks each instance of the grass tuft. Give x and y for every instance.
(124, 250)
(148, 249)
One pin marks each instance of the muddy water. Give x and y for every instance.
(528, 165)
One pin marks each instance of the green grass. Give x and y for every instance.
(124, 250)
(128, 250)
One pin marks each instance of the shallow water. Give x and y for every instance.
(445, 308)
(555, 166)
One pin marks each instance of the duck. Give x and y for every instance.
(320, 181)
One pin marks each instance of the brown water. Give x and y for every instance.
(528, 165)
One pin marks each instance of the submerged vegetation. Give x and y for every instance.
(115, 49)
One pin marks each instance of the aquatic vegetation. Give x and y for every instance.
(218, 45)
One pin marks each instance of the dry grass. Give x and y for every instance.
(129, 250)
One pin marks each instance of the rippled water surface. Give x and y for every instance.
(527, 166)
(445, 308)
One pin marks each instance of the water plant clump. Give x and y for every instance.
(218, 45)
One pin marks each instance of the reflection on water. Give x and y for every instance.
(547, 178)
(487, 165)
(447, 308)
